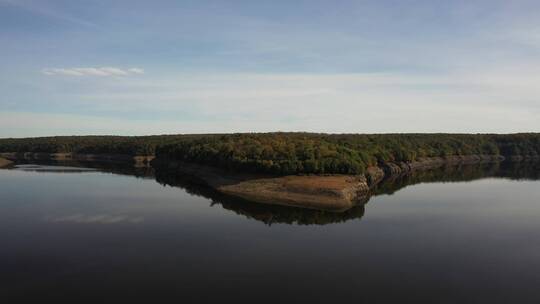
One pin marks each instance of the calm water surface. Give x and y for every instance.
(460, 236)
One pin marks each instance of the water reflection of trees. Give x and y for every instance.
(271, 214)
(461, 173)
(290, 215)
(118, 168)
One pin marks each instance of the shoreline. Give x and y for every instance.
(118, 158)
(332, 192)
(4, 163)
(322, 192)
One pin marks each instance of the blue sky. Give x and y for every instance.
(154, 67)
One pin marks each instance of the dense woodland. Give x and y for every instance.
(288, 153)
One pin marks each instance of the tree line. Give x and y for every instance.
(288, 153)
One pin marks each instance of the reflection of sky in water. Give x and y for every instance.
(96, 219)
(110, 236)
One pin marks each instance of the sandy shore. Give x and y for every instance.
(335, 192)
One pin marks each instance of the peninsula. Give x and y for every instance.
(310, 170)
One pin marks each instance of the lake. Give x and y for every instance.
(456, 235)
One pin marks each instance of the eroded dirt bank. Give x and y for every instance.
(4, 162)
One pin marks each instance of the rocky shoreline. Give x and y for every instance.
(376, 174)
(322, 192)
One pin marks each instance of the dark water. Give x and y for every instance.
(455, 235)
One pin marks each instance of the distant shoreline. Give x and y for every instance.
(119, 158)
(332, 192)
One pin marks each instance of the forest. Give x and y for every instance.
(287, 153)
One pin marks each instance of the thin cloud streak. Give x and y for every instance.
(90, 71)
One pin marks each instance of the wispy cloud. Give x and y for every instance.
(91, 71)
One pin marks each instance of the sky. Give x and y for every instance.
(166, 67)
